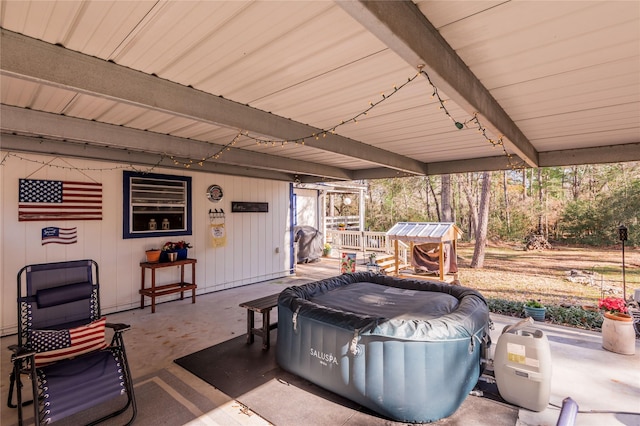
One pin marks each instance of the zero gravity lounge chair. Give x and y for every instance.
(62, 347)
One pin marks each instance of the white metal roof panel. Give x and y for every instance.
(567, 74)
(424, 232)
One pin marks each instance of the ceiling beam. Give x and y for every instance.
(58, 127)
(441, 168)
(34, 145)
(596, 155)
(35, 60)
(404, 29)
(569, 157)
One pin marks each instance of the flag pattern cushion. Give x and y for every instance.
(55, 345)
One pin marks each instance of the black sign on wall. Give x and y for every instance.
(248, 207)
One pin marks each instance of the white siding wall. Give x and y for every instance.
(249, 256)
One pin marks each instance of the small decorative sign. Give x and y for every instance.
(53, 235)
(247, 207)
(214, 193)
(348, 263)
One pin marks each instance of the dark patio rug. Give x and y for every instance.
(251, 376)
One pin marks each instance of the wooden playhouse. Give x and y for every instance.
(432, 245)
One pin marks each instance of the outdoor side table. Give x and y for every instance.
(262, 306)
(164, 289)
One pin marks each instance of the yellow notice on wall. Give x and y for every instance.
(218, 234)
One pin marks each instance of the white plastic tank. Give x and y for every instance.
(522, 366)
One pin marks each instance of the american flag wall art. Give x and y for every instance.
(53, 235)
(46, 200)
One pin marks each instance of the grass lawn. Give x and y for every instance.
(514, 274)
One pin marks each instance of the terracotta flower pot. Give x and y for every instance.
(618, 334)
(153, 256)
(618, 316)
(591, 308)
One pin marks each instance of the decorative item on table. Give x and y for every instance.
(535, 310)
(326, 250)
(178, 247)
(618, 333)
(153, 255)
(165, 224)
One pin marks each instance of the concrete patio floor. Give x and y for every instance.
(605, 385)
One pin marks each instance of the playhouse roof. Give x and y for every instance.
(424, 232)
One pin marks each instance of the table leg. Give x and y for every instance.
(250, 322)
(153, 291)
(193, 281)
(142, 288)
(182, 281)
(266, 332)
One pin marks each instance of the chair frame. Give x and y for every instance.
(23, 357)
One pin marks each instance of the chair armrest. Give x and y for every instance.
(20, 352)
(118, 327)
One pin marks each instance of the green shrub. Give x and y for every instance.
(533, 304)
(572, 316)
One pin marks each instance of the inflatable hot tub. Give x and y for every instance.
(410, 350)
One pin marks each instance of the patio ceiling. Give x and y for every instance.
(278, 90)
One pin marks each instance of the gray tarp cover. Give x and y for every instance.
(309, 241)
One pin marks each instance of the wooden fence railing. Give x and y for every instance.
(366, 242)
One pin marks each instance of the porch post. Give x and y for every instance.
(361, 208)
(395, 246)
(322, 214)
(441, 260)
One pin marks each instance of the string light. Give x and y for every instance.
(80, 169)
(483, 131)
(331, 130)
(214, 156)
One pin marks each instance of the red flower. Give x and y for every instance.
(173, 246)
(613, 304)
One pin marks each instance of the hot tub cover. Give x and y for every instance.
(410, 350)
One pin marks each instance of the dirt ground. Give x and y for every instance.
(563, 275)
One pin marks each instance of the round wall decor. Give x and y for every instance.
(214, 193)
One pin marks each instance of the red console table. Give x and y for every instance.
(162, 290)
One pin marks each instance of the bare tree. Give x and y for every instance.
(446, 199)
(473, 210)
(505, 190)
(435, 199)
(540, 202)
(483, 222)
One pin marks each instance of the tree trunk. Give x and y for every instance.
(483, 222)
(435, 199)
(473, 211)
(425, 181)
(540, 200)
(446, 198)
(506, 201)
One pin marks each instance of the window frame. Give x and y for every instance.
(128, 211)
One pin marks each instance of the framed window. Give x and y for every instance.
(156, 205)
